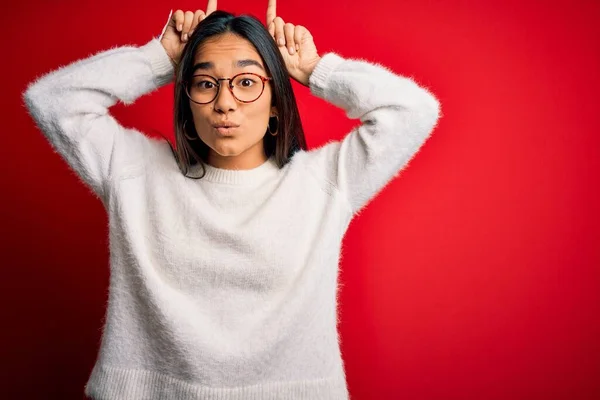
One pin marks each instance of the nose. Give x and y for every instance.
(225, 102)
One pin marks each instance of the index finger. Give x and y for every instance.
(271, 11)
(211, 6)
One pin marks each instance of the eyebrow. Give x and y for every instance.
(240, 63)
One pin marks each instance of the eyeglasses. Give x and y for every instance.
(245, 87)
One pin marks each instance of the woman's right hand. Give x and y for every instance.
(179, 28)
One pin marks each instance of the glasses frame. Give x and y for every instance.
(264, 80)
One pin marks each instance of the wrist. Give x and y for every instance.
(309, 70)
(174, 62)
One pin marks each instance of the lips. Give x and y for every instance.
(225, 130)
(225, 125)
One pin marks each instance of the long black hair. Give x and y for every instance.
(290, 137)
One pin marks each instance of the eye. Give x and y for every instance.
(205, 85)
(246, 82)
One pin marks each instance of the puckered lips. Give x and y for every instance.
(225, 128)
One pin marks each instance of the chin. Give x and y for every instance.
(227, 151)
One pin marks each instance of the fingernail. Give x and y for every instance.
(180, 27)
(185, 36)
(281, 42)
(291, 49)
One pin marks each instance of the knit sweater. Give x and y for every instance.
(225, 287)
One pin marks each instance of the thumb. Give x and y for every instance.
(169, 22)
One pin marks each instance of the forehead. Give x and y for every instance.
(225, 51)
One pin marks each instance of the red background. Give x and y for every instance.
(474, 275)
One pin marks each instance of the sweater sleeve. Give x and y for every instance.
(397, 116)
(70, 106)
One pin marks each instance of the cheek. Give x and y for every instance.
(201, 115)
(258, 113)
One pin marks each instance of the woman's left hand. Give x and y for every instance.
(296, 45)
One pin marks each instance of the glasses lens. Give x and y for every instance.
(202, 88)
(247, 87)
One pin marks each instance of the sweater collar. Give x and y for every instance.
(246, 177)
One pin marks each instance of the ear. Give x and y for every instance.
(274, 112)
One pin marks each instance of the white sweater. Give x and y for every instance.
(225, 287)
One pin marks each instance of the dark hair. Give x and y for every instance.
(290, 137)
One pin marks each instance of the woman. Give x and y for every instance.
(224, 252)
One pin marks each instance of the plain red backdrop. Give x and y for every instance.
(474, 275)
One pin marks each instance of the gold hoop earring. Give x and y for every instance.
(185, 133)
(275, 131)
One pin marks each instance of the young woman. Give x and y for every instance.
(225, 250)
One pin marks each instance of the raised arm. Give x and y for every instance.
(397, 114)
(71, 104)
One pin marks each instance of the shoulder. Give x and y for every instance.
(317, 164)
(142, 154)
